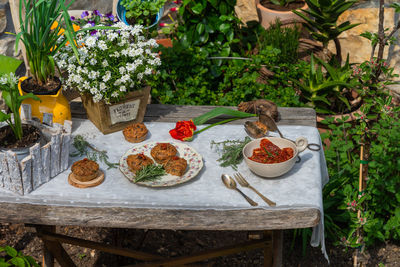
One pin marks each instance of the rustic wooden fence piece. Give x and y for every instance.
(45, 160)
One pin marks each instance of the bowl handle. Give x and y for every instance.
(301, 143)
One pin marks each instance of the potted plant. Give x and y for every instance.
(321, 20)
(329, 91)
(111, 74)
(271, 10)
(16, 136)
(143, 12)
(40, 32)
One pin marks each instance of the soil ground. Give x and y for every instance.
(175, 243)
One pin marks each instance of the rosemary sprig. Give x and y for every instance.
(149, 173)
(231, 151)
(84, 148)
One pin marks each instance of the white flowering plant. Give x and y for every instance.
(113, 62)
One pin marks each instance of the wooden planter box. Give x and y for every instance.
(45, 160)
(115, 117)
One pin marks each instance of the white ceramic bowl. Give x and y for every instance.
(274, 169)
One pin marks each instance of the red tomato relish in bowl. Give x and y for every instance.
(269, 153)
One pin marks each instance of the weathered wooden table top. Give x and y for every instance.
(18, 209)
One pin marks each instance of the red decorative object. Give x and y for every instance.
(183, 130)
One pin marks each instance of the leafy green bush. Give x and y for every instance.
(209, 23)
(188, 76)
(16, 258)
(378, 204)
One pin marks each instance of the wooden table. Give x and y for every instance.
(46, 215)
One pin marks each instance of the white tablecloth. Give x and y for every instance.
(301, 187)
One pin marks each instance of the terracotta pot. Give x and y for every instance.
(268, 16)
(166, 42)
(109, 118)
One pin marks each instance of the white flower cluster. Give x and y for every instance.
(111, 62)
(9, 79)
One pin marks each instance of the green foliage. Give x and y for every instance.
(149, 173)
(188, 77)
(8, 64)
(15, 258)
(286, 39)
(211, 24)
(379, 130)
(84, 148)
(282, 2)
(231, 151)
(221, 111)
(327, 90)
(143, 12)
(322, 18)
(13, 100)
(41, 34)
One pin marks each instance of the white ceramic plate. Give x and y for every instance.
(193, 158)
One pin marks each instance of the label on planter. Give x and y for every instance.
(124, 112)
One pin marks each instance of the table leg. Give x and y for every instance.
(48, 258)
(268, 255)
(277, 243)
(53, 249)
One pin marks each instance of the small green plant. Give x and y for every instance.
(324, 91)
(42, 34)
(15, 258)
(142, 12)
(282, 2)
(286, 39)
(321, 20)
(13, 99)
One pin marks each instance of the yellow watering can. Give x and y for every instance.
(56, 104)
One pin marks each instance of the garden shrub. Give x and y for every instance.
(188, 77)
(379, 203)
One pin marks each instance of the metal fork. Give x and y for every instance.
(239, 177)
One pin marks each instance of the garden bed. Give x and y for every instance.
(173, 243)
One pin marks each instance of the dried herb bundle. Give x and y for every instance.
(149, 173)
(231, 151)
(84, 148)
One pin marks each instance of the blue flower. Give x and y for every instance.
(93, 32)
(84, 14)
(92, 23)
(97, 13)
(73, 18)
(110, 16)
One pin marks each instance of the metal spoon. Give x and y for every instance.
(231, 184)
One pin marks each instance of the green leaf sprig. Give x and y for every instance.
(231, 152)
(220, 111)
(13, 99)
(84, 148)
(16, 258)
(149, 173)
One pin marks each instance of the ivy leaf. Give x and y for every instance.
(197, 9)
(11, 251)
(19, 262)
